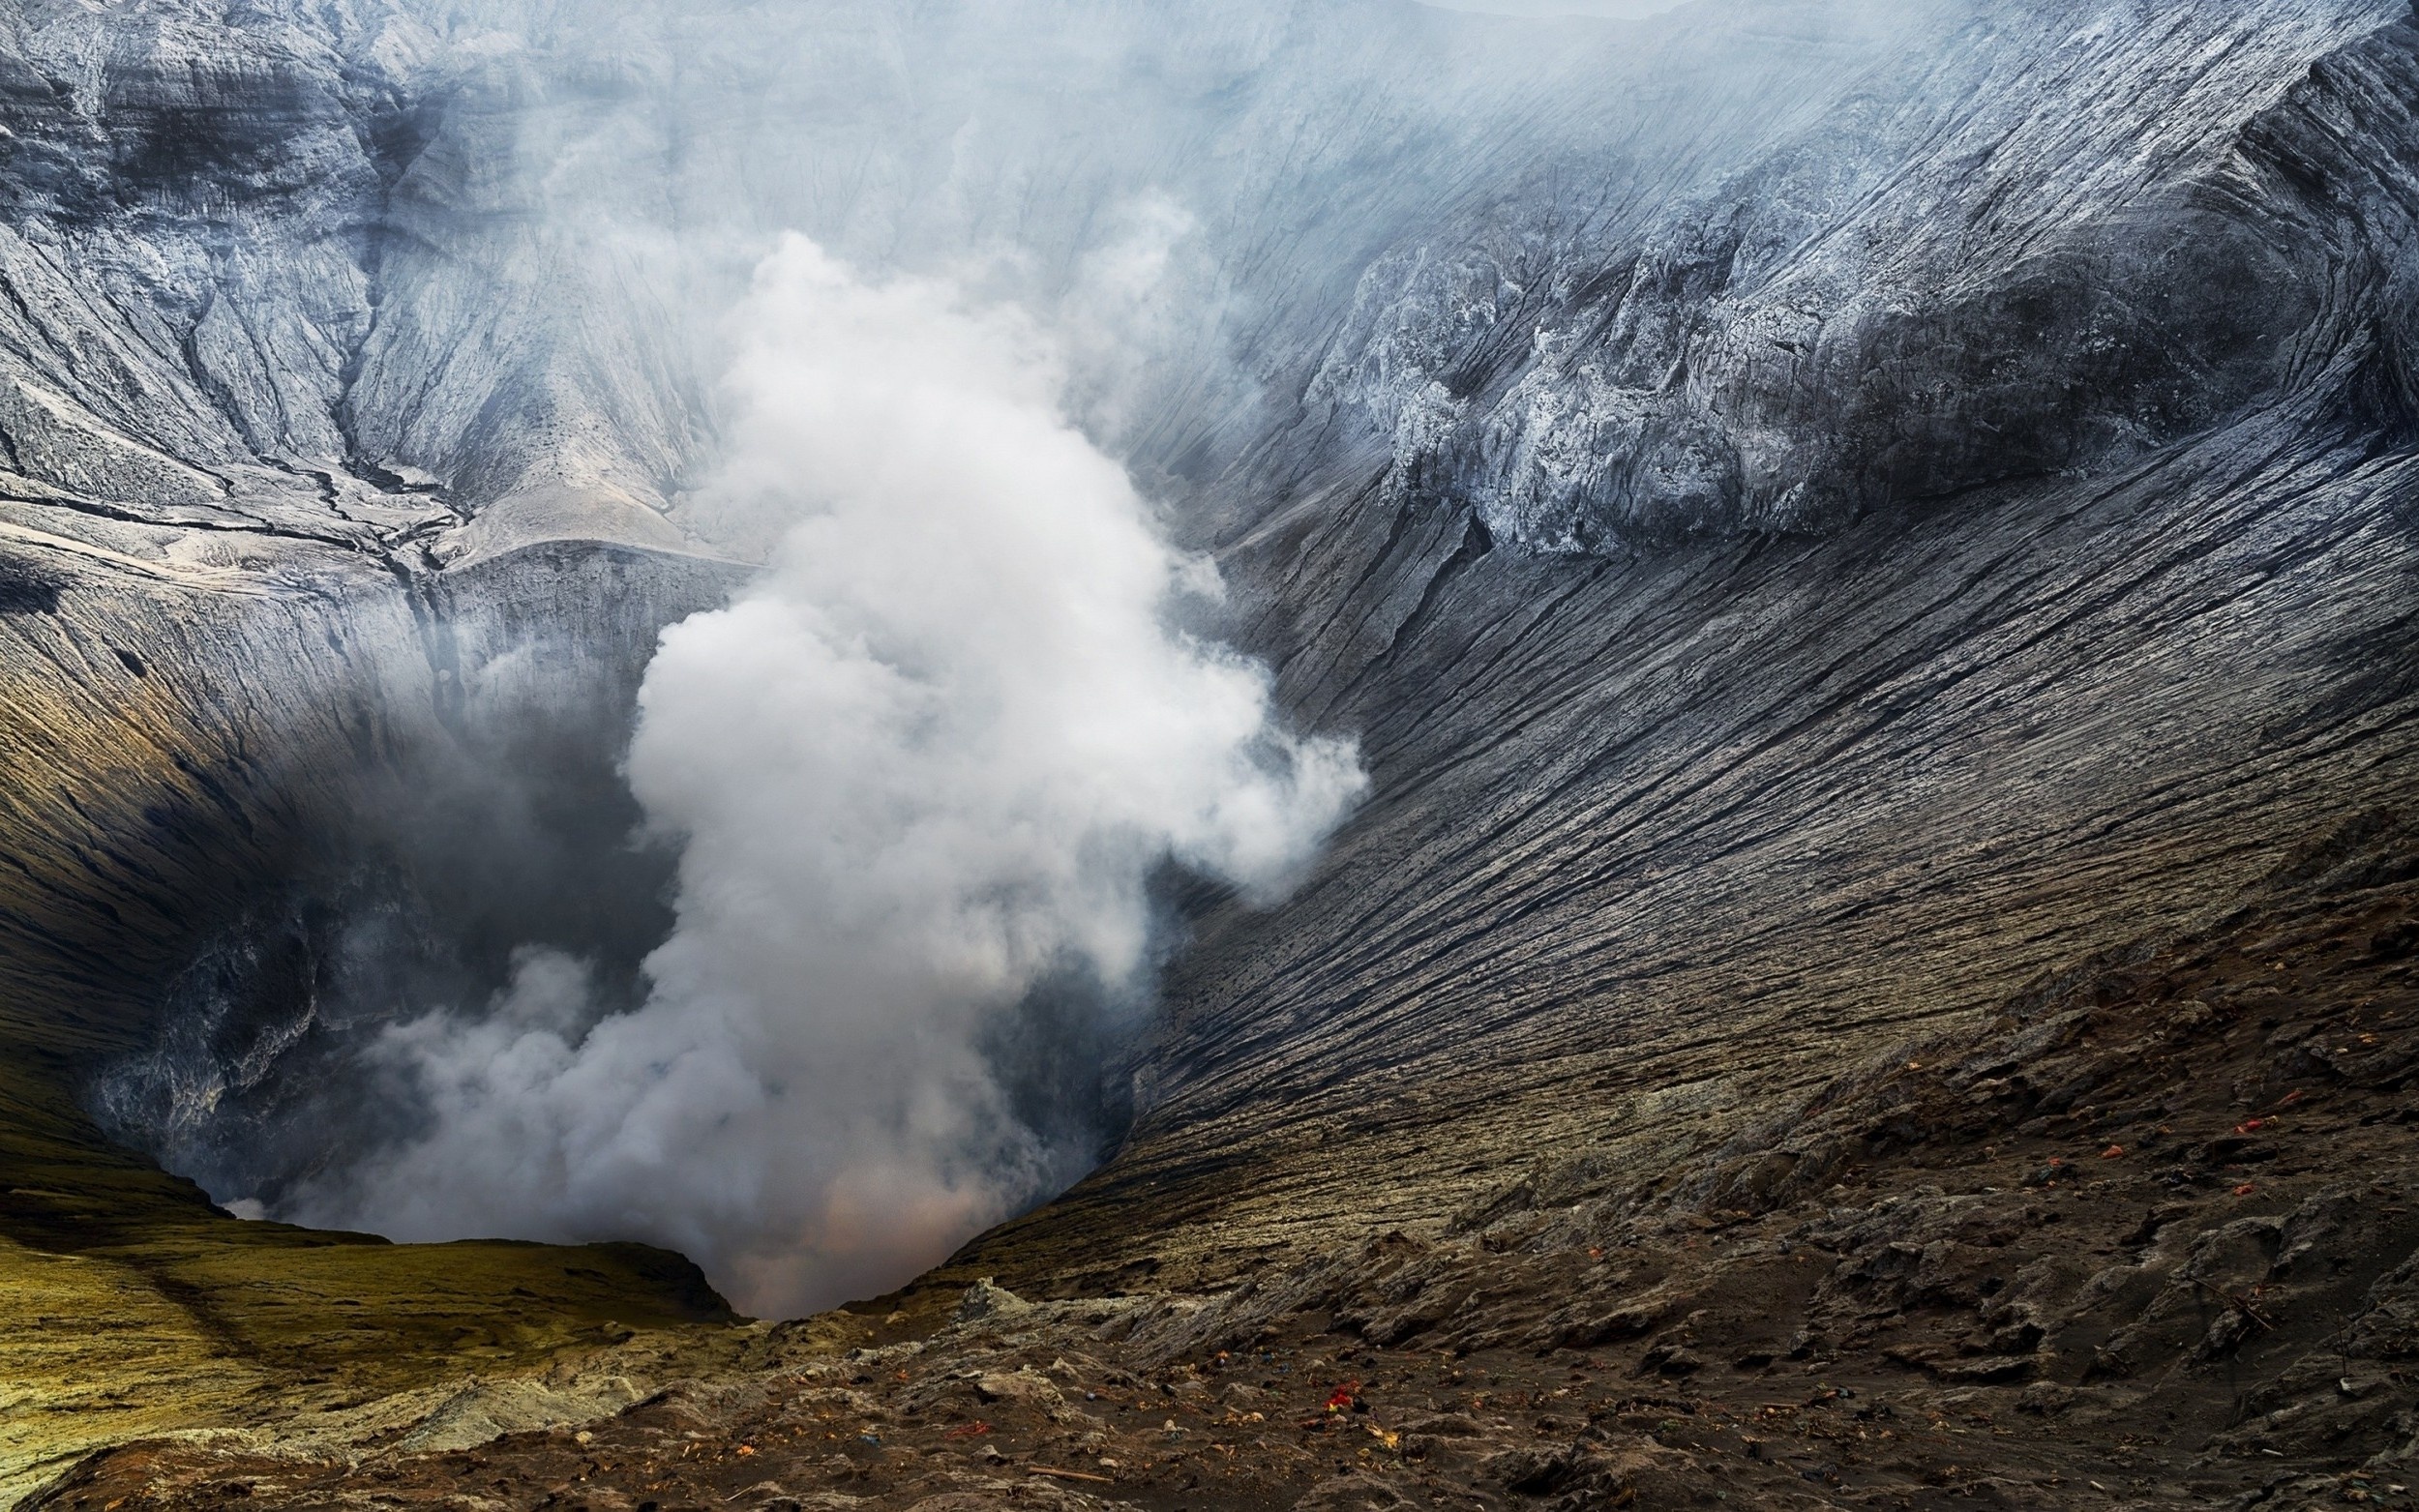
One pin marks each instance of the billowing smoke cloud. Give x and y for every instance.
(922, 768)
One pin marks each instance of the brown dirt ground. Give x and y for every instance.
(2149, 1236)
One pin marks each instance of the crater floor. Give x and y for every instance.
(2142, 1237)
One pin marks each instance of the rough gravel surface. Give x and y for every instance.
(2147, 1236)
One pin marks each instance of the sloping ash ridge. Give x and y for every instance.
(1836, 683)
(1660, 835)
(2134, 1238)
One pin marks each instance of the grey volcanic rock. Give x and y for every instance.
(299, 265)
(186, 208)
(1660, 831)
(2055, 240)
(292, 268)
(1818, 517)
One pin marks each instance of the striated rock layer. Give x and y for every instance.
(1661, 832)
(1819, 522)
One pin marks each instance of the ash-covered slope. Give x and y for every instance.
(319, 320)
(1817, 513)
(1663, 829)
(352, 362)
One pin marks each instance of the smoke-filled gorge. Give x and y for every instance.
(1341, 755)
(851, 981)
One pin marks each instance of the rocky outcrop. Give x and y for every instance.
(2052, 243)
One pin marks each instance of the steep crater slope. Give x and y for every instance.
(2136, 1239)
(1678, 817)
(1666, 833)
(356, 360)
(225, 644)
(349, 381)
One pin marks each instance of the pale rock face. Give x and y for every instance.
(487, 245)
(1949, 277)
(1752, 266)
(1674, 444)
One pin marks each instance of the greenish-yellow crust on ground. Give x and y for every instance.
(134, 1308)
(130, 1306)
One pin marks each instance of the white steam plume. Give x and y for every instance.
(927, 759)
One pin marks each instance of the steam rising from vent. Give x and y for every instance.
(921, 770)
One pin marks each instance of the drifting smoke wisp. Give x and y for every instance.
(926, 762)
